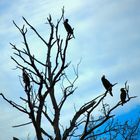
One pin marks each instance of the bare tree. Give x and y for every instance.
(40, 79)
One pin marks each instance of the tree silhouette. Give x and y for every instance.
(40, 79)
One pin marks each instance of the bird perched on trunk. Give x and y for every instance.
(68, 28)
(26, 79)
(123, 95)
(108, 86)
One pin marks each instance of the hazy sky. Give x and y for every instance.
(107, 38)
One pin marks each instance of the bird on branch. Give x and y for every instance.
(68, 28)
(123, 95)
(26, 79)
(108, 86)
(14, 138)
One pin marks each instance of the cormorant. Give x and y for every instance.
(108, 86)
(14, 138)
(68, 28)
(26, 79)
(123, 95)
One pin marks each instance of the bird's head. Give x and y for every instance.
(122, 89)
(23, 69)
(66, 20)
(103, 76)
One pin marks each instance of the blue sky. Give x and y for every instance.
(107, 39)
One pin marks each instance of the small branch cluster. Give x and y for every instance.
(115, 129)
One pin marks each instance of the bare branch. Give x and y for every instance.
(35, 31)
(22, 124)
(20, 108)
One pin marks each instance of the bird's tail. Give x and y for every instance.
(73, 34)
(111, 93)
(110, 90)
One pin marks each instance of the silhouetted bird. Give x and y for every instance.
(14, 138)
(108, 86)
(26, 79)
(123, 95)
(68, 28)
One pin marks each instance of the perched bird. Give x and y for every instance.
(14, 138)
(123, 95)
(68, 28)
(108, 86)
(26, 79)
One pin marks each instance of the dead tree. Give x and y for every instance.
(44, 76)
